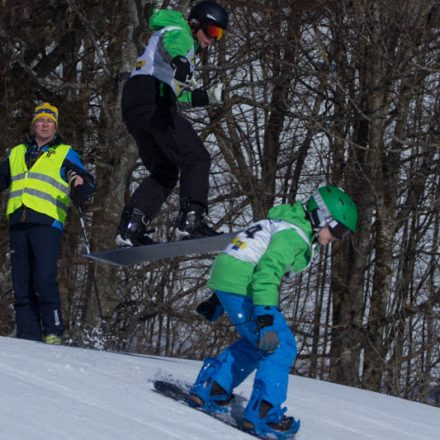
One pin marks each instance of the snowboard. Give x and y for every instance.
(139, 254)
(231, 416)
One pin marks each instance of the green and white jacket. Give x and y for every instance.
(257, 259)
(171, 37)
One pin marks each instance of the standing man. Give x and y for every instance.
(162, 80)
(246, 279)
(43, 174)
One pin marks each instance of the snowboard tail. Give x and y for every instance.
(157, 251)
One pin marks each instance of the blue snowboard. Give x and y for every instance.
(231, 418)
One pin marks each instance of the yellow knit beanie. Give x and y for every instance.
(45, 110)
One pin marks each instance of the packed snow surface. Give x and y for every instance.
(67, 393)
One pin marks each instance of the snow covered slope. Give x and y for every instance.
(66, 393)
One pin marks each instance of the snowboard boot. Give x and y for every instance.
(216, 396)
(191, 222)
(206, 393)
(261, 418)
(132, 229)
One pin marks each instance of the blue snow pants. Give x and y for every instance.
(34, 256)
(241, 358)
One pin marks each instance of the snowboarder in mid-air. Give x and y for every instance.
(161, 82)
(246, 278)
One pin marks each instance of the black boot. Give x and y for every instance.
(283, 425)
(218, 395)
(132, 230)
(191, 221)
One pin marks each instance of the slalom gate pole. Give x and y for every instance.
(86, 241)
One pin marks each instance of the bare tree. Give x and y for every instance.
(342, 92)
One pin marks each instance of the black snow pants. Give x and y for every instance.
(34, 256)
(168, 146)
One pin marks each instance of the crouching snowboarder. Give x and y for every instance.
(246, 278)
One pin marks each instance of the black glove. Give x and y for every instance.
(268, 340)
(199, 98)
(79, 196)
(214, 95)
(182, 73)
(211, 309)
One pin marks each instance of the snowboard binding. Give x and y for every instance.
(207, 394)
(266, 421)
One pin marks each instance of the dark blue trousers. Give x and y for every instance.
(34, 256)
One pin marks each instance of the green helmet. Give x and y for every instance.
(331, 206)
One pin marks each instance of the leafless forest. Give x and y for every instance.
(332, 91)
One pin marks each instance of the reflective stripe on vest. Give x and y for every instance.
(41, 188)
(41, 195)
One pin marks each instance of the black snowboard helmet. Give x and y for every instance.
(208, 15)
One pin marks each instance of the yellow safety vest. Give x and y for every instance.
(41, 188)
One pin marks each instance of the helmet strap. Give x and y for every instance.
(314, 219)
(324, 215)
(194, 24)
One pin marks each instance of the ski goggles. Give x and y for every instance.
(339, 231)
(213, 31)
